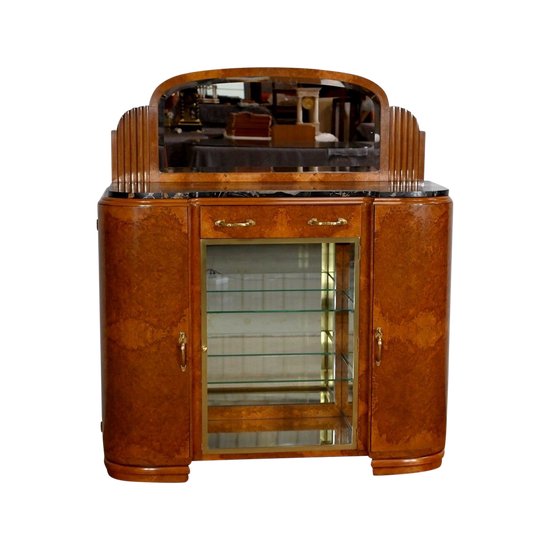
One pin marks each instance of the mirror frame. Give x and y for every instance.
(135, 157)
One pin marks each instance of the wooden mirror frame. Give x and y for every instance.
(135, 158)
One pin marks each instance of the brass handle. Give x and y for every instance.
(378, 336)
(183, 348)
(223, 223)
(339, 221)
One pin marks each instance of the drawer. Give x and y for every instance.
(270, 221)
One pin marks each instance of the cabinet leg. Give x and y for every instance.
(389, 466)
(168, 474)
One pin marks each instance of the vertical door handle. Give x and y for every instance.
(379, 338)
(183, 349)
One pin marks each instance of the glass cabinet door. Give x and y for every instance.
(279, 327)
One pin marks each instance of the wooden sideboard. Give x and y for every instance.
(272, 308)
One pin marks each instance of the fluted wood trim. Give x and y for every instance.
(406, 147)
(114, 157)
(135, 150)
(130, 151)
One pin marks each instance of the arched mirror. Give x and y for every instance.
(268, 123)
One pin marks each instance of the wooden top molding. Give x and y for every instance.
(137, 158)
(275, 72)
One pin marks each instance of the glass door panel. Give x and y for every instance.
(280, 333)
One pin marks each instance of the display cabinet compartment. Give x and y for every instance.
(280, 339)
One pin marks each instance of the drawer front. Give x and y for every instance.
(294, 221)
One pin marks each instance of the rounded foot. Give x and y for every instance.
(167, 474)
(389, 466)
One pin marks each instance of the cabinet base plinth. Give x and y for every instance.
(389, 466)
(167, 474)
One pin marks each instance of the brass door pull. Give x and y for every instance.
(183, 348)
(339, 221)
(223, 223)
(378, 336)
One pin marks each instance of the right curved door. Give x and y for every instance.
(410, 329)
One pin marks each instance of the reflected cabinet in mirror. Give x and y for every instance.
(274, 276)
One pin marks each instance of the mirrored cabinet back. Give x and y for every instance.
(274, 277)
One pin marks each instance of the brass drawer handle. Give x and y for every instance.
(379, 337)
(223, 223)
(339, 221)
(182, 340)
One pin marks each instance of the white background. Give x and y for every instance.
(476, 76)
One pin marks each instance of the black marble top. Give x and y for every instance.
(375, 190)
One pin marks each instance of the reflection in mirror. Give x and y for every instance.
(266, 124)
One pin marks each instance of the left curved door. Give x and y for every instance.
(144, 292)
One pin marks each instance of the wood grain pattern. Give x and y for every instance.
(136, 154)
(152, 415)
(161, 474)
(406, 465)
(411, 305)
(406, 147)
(151, 289)
(288, 221)
(144, 304)
(135, 143)
(131, 152)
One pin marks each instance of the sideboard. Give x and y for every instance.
(274, 277)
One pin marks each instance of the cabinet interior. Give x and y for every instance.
(279, 329)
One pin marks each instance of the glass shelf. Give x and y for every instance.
(273, 396)
(268, 282)
(254, 369)
(278, 304)
(283, 328)
(293, 293)
(276, 343)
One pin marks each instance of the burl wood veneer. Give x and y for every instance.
(381, 232)
(411, 306)
(144, 304)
